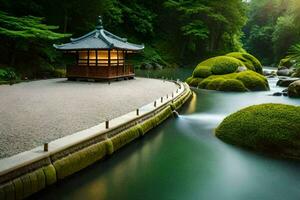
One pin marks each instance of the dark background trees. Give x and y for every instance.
(175, 32)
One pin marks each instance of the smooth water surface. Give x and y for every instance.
(182, 159)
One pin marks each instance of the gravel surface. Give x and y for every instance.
(35, 112)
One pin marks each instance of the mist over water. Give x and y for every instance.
(182, 159)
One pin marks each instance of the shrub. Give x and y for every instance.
(7, 74)
(272, 128)
(249, 61)
(202, 71)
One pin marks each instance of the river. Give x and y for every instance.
(182, 159)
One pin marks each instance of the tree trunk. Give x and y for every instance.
(66, 21)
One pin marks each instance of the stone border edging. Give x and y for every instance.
(83, 148)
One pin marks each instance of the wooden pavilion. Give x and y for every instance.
(100, 55)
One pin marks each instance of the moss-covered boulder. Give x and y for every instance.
(294, 89)
(285, 63)
(217, 66)
(193, 81)
(249, 61)
(243, 70)
(271, 128)
(241, 82)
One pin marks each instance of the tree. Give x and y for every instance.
(26, 42)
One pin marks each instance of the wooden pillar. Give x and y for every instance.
(109, 62)
(117, 62)
(96, 58)
(88, 53)
(87, 73)
(123, 54)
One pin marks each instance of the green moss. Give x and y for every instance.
(188, 80)
(172, 106)
(109, 147)
(232, 85)
(217, 65)
(34, 182)
(41, 179)
(2, 192)
(202, 71)
(79, 160)
(195, 82)
(272, 128)
(215, 84)
(50, 174)
(203, 84)
(18, 188)
(7, 191)
(147, 125)
(125, 137)
(252, 81)
(285, 62)
(162, 116)
(27, 189)
(249, 61)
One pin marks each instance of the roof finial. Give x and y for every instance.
(100, 23)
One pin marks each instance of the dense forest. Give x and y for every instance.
(175, 32)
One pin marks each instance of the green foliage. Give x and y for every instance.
(7, 74)
(273, 25)
(271, 128)
(249, 61)
(27, 44)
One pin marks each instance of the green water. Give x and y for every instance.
(169, 73)
(182, 159)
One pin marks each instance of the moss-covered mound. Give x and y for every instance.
(236, 82)
(223, 73)
(271, 128)
(285, 62)
(217, 66)
(249, 61)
